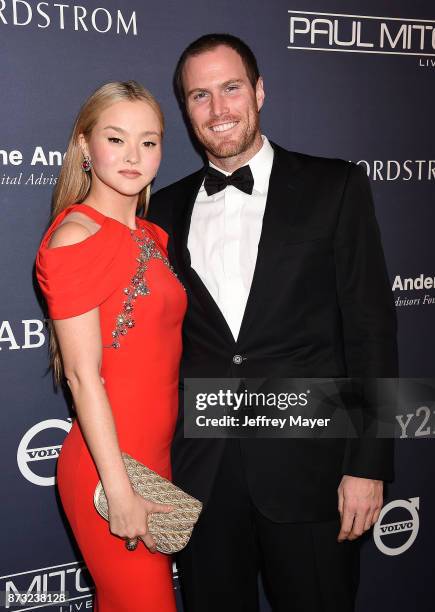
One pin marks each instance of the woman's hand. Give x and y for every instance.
(128, 517)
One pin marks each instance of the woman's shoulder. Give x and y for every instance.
(77, 264)
(73, 226)
(156, 232)
(73, 229)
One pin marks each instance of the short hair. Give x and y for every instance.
(209, 42)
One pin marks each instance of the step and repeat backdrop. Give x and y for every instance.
(344, 78)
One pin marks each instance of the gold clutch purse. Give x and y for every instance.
(170, 531)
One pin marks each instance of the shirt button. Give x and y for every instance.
(237, 359)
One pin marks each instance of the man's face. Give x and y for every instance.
(221, 103)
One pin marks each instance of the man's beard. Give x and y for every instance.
(231, 148)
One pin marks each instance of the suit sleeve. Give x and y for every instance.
(368, 314)
(160, 210)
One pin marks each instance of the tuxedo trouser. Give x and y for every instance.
(303, 567)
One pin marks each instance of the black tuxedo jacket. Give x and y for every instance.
(320, 305)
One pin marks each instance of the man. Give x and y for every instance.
(285, 275)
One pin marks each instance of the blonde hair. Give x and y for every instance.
(73, 184)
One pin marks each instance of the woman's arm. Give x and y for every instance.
(81, 348)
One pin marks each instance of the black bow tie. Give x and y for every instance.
(215, 181)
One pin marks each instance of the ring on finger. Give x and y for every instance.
(131, 543)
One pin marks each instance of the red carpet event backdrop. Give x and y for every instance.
(351, 79)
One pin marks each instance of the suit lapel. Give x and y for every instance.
(183, 214)
(190, 277)
(284, 192)
(286, 188)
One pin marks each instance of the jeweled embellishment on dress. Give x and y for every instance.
(138, 285)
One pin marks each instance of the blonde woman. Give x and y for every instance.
(117, 310)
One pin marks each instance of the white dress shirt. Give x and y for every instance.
(223, 238)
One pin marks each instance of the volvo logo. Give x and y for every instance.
(29, 454)
(384, 531)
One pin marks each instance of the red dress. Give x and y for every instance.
(142, 305)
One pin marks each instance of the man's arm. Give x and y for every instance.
(369, 331)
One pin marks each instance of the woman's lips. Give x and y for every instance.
(130, 173)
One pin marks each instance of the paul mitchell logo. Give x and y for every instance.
(361, 34)
(385, 532)
(68, 578)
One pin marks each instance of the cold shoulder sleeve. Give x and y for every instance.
(79, 277)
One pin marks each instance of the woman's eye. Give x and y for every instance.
(115, 140)
(149, 144)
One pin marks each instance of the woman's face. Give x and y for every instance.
(125, 147)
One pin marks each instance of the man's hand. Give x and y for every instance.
(359, 504)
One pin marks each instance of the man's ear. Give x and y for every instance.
(259, 93)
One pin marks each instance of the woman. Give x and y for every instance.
(117, 310)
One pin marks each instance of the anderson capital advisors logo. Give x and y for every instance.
(29, 452)
(310, 31)
(31, 169)
(414, 291)
(395, 537)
